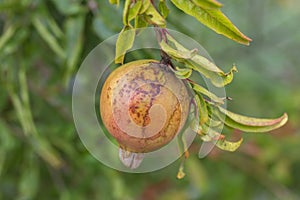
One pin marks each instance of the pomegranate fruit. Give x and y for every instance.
(143, 105)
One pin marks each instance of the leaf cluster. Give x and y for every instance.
(209, 13)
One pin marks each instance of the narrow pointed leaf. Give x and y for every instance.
(198, 63)
(179, 54)
(251, 124)
(229, 146)
(212, 18)
(54, 27)
(7, 35)
(202, 90)
(145, 6)
(74, 43)
(192, 54)
(183, 73)
(208, 4)
(124, 43)
(163, 8)
(134, 10)
(140, 22)
(219, 79)
(126, 12)
(48, 37)
(210, 135)
(154, 17)
(202, 109)
(214, 123)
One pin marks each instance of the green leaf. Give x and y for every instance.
(202, 90)
(178, 54)
(54, 27)
(74, 43)
(202, 109)
(29, 180)
(117, 2)
(126, 12)
(69, 7)
(124, 43)
(214, 123)
(7, 140)
(135, 10)
(24, 114)
(140, 22)
(7, 35)
(219, 79)
(229, 146)
(48, 37)
(145, 6)
(192, 54)
(182, 73)
(208, 4)
(153, 16)
(198, 63)
(210, 135)
(250, 124)
(212, 18)
(163, 8)
(12, 44)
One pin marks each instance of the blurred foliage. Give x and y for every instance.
(42, 44)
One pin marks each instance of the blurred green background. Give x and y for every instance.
(42, 44)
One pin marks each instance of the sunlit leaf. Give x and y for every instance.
(140, 22)
(212, 18)
(208, 4)
(182, 73)
(177, 53)
(126, 12)
(202, 90)
(163, 8)
(229, 146)
(202, 109)
(192, 60)
(192, 54)
(124, 43)
(250, 124)
(219, 79)
(117, 2)
(154, 17)
(145, 6)
(210, 135)
(134, 10)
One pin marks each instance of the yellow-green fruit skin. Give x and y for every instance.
(143, 105)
